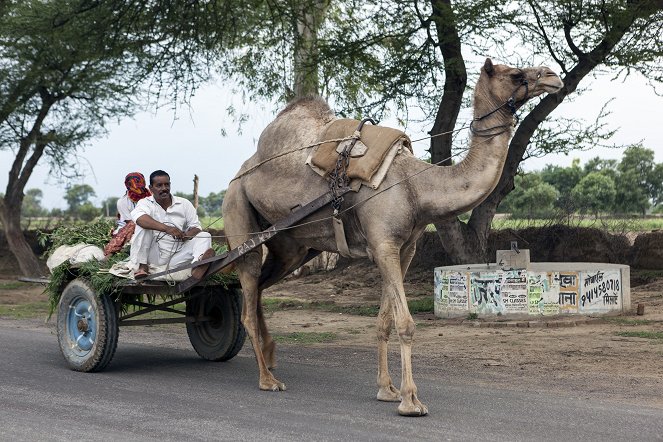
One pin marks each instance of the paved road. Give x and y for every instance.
(164, 392)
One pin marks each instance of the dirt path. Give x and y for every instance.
(619, 357)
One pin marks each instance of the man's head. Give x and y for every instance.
(160, 187)
(136, 187)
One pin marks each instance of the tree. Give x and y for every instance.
(564, 179)
(77, 196)
(31, 206)
(67, 68)
(594, 193)
(580, 37)
(531, 198)
(109, 206)
(639, 174)
(630, 194)
(212, 203)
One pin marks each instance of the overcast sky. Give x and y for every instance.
(193, 143)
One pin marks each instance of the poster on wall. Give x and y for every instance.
(569, 291)
(543, 293)
(514, 291)
(486, 292)
(451, 292)
(600, 291)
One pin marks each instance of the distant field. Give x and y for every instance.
(610, 224)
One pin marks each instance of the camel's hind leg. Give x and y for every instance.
(386, 389)
(387, 258)
(284, 257)
(239, 220)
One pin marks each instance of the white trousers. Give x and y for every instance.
(159, 249)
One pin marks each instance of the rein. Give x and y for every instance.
(511, 104)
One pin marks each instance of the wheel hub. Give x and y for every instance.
(82, 325)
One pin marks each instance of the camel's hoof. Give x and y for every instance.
(275, 386)
(389, 394)
(413, 410)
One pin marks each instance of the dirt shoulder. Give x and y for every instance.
(609, 358)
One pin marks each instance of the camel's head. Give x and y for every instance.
(503, 82)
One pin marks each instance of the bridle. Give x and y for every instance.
(511, 104)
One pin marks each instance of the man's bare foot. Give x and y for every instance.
(142, 272)
(199, 272)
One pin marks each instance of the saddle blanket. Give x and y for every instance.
(370, 157)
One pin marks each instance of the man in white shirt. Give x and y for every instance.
(167, 231)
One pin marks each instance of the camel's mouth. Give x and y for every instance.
(551, 83)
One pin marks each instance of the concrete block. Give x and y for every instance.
(510, 259)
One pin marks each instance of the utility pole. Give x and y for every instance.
(195, 191)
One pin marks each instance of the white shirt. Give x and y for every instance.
(180, 214)
(124, 208)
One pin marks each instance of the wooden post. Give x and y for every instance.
(195, 191)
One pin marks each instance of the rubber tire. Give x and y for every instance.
(91, 350)
(221, 338)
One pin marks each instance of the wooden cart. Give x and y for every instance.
(88, 322)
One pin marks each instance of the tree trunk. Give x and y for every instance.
(455, 81)
(306, 55)
(10, 214)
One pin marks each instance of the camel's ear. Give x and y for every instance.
(488, 67)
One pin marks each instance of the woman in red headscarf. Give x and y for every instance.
(136, 191)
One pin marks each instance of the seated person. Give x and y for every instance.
(167, 231)
(136, 191)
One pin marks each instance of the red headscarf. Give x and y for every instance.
(136, 187)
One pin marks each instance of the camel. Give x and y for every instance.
(384, 228)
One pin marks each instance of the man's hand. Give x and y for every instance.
(193, 231)
(174, 232)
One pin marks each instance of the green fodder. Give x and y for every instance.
(97, 233)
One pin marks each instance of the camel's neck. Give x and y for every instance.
(456, 189)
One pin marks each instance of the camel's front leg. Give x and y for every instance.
(252, 325)
(386, 389)
(387, 259)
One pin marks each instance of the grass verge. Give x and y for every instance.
(641, 334)
(25, 311)
(11, 285)
(628, 321)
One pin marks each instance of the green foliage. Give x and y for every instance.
(77, 196)
(594, 193)
(531, 198)
(425, 305)
(109, 206)
(31, 206)
(564, 179)
(97, 233)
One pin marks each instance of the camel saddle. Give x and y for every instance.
(370, 157)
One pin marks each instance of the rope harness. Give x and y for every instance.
(511, 104)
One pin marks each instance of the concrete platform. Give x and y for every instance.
(542, 289)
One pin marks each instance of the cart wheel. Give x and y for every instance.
(217, 334)
(87, 327)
